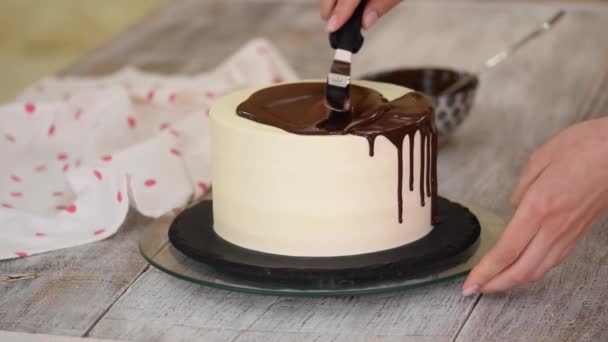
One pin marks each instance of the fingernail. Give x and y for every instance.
(470, 290)
(331, 23)
(370, 19)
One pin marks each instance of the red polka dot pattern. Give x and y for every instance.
(150, 95)
(70, 208)
(150, 182)
(132, 122)
(72, 168)
(30, 108)
(262, 50)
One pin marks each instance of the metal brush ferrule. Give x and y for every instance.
(338, 80)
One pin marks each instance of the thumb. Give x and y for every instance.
(517, 235)
(342, 12)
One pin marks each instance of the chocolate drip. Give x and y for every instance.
(299, 108)
(435, 219)
(411, 161)
(428, 167)
(423, 137)
(400, 181)
(371, 140)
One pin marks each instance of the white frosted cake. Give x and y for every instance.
(285, 184)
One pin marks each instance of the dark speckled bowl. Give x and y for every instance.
(451, 109)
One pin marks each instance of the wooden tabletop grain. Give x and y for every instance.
(106, 290)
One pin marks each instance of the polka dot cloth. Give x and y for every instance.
(77, 153)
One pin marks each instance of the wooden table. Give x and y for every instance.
(106, 289)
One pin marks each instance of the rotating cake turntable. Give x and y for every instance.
(245, 271)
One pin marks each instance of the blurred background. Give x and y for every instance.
(38, 38)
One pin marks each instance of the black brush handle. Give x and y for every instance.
(349, 36)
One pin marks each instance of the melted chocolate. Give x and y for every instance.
(299, 108)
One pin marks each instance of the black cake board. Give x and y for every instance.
(451, 242)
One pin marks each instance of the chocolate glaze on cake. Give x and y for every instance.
(299, 108)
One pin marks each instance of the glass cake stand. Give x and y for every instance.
(156, 249)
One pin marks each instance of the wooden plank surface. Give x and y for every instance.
(67, 291)
(26, 337)
(519, 107)
(570, 304)
(543, 90)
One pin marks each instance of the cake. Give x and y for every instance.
(293, 179)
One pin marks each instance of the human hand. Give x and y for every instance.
(561, 193)
(337, 12)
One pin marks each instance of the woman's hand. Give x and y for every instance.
(337, 12)
(561, 193)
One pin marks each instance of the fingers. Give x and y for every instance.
(536, 164)
(519, 272)
(326, 7)
(337, 12)
(342, 11)
(517, 235)
(524, 269)
(549, 247)
(564, 247)
(556, 255)
(376, 9)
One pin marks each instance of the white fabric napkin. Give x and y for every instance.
(75, 153)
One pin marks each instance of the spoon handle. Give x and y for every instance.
(508, 52)
(503, 55)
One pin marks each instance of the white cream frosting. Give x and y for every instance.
(302, 195)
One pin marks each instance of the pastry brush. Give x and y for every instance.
(346, 41)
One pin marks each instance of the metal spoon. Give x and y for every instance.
(506, 53)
